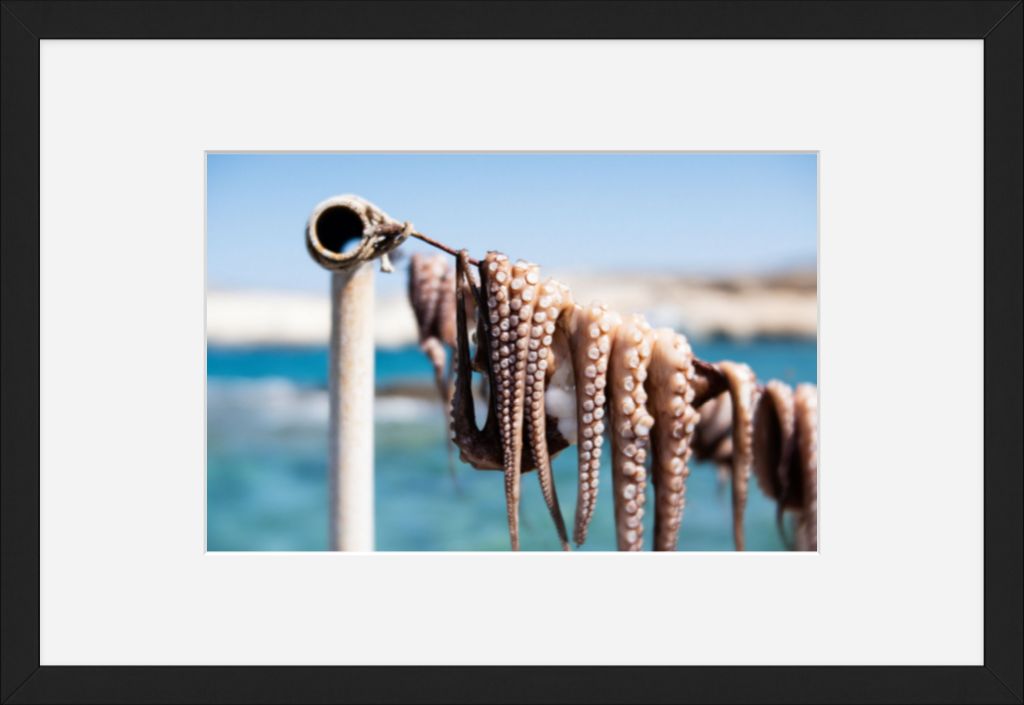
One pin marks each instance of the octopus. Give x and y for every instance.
(557, 373)
(515, 323)
(432, 297)
(785, 442)
(631, 428)
(672, 395)
(742, 395)
(578, 395)
(712, 439)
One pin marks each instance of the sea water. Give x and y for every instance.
(267, 462)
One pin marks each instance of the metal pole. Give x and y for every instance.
(350, 383)
(345, 235)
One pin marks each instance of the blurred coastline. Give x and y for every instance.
(782, 304)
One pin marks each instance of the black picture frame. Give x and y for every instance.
(997, 22)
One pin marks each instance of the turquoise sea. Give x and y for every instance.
(266, 461)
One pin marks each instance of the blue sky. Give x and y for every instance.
(687, 213)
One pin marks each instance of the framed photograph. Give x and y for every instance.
(615, 336)
(512, 351)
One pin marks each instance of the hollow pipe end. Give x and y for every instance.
(345, 231)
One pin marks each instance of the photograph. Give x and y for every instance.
(495, 351)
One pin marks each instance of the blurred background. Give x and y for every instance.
(721, 247)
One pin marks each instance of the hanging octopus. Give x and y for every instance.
(557, 373)
(742, 395)
(560, 373)
(432, 296)
(785, 442)
(672, 393)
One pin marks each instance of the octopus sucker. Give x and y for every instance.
(670, 382)
(631, 425)
(588, 332)
(742, 392)
(805, 406)
(538, 332)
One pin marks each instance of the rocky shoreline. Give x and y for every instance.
(775, 305)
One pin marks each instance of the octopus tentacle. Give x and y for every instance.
(481, 448)
(539, 364)
(675, 420)
(708, 382)
(631, 427)
(430, 280)
(742, 389)
(510, 302)
(432, 295)
(588, 332)
(712, 440)
(774, 426)
(805, 405)
(425, 275)
(785, 455)
(446, 309)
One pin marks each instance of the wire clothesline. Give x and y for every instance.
(441, 246)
